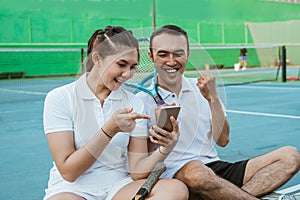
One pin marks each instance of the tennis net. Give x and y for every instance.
(47, 67)
(264, 62)
(32, 61)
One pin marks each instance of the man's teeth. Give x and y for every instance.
(171, 70)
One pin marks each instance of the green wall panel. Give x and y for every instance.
(215, 22)
(14, 28)
(47, 28)
(234, 33)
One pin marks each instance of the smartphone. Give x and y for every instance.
(166, 112)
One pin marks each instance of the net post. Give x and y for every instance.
(82, 60)
(154, 14)
(283, 62)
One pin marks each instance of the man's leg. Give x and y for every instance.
(203, 182)
(268, 172)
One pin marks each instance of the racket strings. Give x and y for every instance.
(145, 67)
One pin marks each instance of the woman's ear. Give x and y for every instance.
(96, 58)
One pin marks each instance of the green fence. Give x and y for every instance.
(208, 22)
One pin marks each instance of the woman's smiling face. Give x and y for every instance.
(118, 68)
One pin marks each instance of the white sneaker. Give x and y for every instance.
(290, 197)
(244, 68)
(278, 196)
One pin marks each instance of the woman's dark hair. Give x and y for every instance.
(108, 42)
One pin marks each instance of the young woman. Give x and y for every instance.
(92, 123)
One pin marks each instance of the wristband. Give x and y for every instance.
(162, 152)
(106, 133)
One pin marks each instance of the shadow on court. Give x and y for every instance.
(263, 117)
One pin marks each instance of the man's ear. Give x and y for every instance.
(150, 56)
(95, 57)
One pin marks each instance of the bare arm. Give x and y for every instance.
(220, 127)
(72, 162)
(141, 162)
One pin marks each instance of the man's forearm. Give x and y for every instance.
(220, 126)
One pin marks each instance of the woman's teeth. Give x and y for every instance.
(118, 80)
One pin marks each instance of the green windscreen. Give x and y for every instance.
(214, 23)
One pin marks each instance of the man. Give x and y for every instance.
(202, 121)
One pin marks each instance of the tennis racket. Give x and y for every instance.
(143, 192)
(145, 78)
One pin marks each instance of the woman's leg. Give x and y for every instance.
(66, 195)
(167, 189)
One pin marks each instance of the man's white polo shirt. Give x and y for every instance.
(195, 141)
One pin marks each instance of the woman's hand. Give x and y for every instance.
(123, 121)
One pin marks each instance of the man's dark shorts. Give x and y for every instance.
(233, 172)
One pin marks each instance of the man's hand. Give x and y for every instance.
(207, 85)
(166, 139)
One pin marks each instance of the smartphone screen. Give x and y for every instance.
(164, 117)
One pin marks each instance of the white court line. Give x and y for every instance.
(289, 189)
(13, 111)
(33, 86)
(266, 87)
(264, 114)
(23, 92)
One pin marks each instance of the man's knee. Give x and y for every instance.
(291, 157)
(195, 174)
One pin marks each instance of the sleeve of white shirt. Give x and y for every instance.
(57, 114)
(141, 124)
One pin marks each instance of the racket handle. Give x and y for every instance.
(159, 101)
(143, 192)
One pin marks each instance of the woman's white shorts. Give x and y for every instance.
(87, 191)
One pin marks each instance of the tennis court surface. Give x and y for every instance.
(263, 116)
